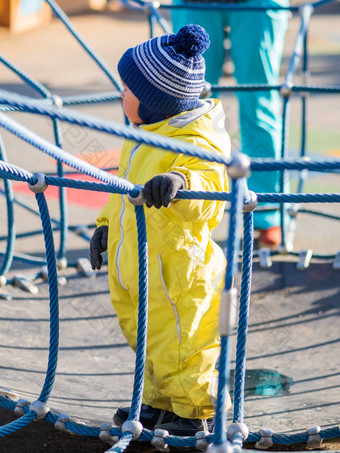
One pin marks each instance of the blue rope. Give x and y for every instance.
(53, 292)
(100, 125)
(65, 20)
(37, 86)
(142, 315)
(60, 155)
(123, 443)
(223, 365)
(8, 258)
(17, 424)
(248, 228)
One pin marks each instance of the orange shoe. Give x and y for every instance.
(271, 237)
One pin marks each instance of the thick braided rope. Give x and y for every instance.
(145, 137)
(62, 193)
(45, 93)
(122, 444)
(53, 293)
(248, 228)
(68, 24)
(8, 257)
(58, 154)
(37, 86)
(142, 314)
(101, 125)
(266, 87)
(283, 174)
(17, 424)
(223, 365)
(83, 99)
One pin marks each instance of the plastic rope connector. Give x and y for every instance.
(250, 205)
(336, 262)
(40, 408)
(56, 101)
(105, 434)
(84, 266)
(239, 166)
(60, 424)
(207, 91)
(140, 199)
(8, 393)
(201, 441)
(314, 440)
(19, 408)
(20, 281)
(134, 427)
(158, 440)
(62, 264)
(81, 229)
(266, 440)
(286, 89)
(304, 259)
(3, 281)
(41, 185)
(227, 317)
(225, 447)
(264, 256)
(241, 428)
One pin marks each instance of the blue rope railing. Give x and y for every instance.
(113, 184)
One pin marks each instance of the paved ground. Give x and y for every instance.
(293, 360)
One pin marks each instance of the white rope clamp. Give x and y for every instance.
(56, 101)
(266, 440)
(241, 428)
(201, 441)
(60, 424)
(227, 318)
(250, 205)
(105, 434)
(336, 263)
(19, 408)
(158, 440)
(207, 91)
(286, 89)
(239, 166)
(314, 440)
(40, 408)
(265, 260)
(140, 199)
(134, 427)
(3, 281)
(304, 259)
(41, 185)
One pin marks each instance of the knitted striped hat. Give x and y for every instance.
(166, 73)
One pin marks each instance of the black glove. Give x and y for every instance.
(98, 245)
(162, 189)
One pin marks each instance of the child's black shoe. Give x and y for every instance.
(186, 426)
(149, 416)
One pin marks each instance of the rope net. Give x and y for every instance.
(240, 199)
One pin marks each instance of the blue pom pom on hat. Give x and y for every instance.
(166, 73)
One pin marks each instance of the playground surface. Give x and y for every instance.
(293, 365)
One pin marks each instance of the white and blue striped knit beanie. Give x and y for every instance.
(166, 74)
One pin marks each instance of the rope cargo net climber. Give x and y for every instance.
(241, 201)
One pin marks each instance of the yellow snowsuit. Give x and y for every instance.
(186, 268)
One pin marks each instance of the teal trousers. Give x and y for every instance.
(257, 40)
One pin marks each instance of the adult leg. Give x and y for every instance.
(257, 40)
(213, 22)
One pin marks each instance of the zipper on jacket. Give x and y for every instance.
(119, 249)
(169, 298)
